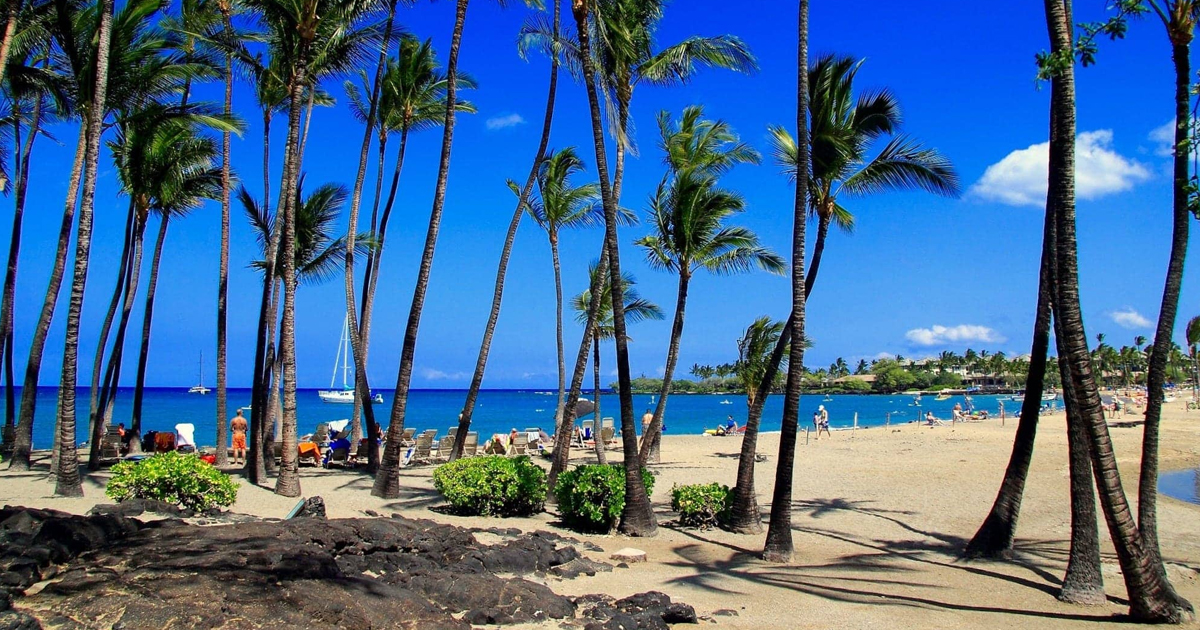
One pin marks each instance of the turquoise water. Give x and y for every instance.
(498, 411)
(1181, 484)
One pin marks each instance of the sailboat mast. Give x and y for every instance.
(345, 351)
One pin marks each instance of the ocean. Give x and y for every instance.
(498, 411)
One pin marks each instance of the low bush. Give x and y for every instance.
(174, 478)
(702, 505)
(592, 497)
(492, 485)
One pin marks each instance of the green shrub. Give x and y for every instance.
(702, 505)
(592, 497)
(182, 480)
(493, 485)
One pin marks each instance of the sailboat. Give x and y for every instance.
(199, 387)
(345, 395)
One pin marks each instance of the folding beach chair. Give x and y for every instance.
(471, 446)
(519, 445)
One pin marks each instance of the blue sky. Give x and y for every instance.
(920, 274)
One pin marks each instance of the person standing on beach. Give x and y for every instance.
(1001, 410)
(238, 426)
(824, 421)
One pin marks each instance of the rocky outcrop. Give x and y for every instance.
(109, 571)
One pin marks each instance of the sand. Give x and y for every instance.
(879, 519)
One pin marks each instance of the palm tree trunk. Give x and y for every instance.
(1150, 595)
(601, 458)
(288, 482)
(68, 480)
(362, 387)
(256, 470)
(312, 92)
(995, 536)
(558, 326)
(778, 547)
(1083, 582)
(12, 11)
(387, 484)
(223, 272)
(268, 426)
(8, 302)
(489, 329)
(566, 427)
(23, 440)
(124, 270)
(650, 441)
(356, 432)
(637, 519)
(1156, 375)
(139, 384)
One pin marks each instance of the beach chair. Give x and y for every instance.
(407, 438)
(308, 453)
(422, 449)
(110, 445)
(276, 451)
(519, 445)
(339, 457)
(445, 446)
(471, 446)
(185, 440)
(608, 435)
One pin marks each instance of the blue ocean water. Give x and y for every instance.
(498, 411)
(1181, 484)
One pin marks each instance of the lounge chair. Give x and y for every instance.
(589, 430)
(444, 448)
(339, 457)
(185, 440)
(471, 447)
(407, 438)
(608, 435)
(422, 449)
(519, 445)
(110, 445)
(308, 453)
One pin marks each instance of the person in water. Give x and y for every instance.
(238, 426)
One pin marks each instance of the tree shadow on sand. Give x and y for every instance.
(885, 572)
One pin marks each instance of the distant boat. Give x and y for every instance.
(199, 387)
(1049, 397)
(1020, 398)
(345, 395)
(827, 398)
(942, 397)
(726, 402)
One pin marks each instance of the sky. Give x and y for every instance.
(920, 274)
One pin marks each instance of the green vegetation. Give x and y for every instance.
(592, 497)
(492, 486)
(182, 480)
(702, 505)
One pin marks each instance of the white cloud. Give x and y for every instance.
(504, 122)
(438, 375)
(1020, 178)
(1164, 139)
(1129, 318)
(937, 335)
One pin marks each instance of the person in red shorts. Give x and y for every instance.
(239, 426)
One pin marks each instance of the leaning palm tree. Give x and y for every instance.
(489, 329)
(1179, 17)
(754, 354)
(387, 485)
(559, 206)
(412, 98)
(637, 309)
(688, 211)
(1151, 597)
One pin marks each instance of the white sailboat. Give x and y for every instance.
(345, 395)
(199, 387)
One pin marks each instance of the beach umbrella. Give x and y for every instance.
(584, 407)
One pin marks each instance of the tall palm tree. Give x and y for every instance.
(778, 547)
(67, 481)
(387, 484)
(754, 353)
(1192, 334)
(637, 518)
(688, 211)
(562, 206)
(552, 49)
(1151, 597)
(637, 309)
(1179, 17)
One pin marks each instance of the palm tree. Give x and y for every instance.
(637, 309)
(36, 96)
(1180, 18)
(1150, 594)
(843, 132)
(688, 211)
(552, 48)
(387, 485)
(560, 206)
(1192, 335)
(778, 547)
(754, 352)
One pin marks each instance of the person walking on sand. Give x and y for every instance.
(238, 426)
(824, 424)
(1002, 417)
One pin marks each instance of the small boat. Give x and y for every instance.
(1020, 398)
(726, 402)
(345, 395)
(1049, 397)
(942, 397)
(827, 398)
(199, 387)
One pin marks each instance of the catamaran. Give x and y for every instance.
(345, 395)
(199, 387)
